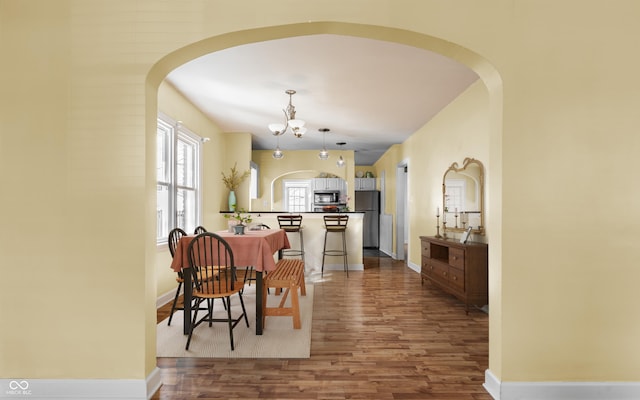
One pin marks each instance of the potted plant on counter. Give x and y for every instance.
(241, 217)
(232, 181)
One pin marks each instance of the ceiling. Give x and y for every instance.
(370, 94)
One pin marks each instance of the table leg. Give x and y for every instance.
(259, 290)
(187, 301)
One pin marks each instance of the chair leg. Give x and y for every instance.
(193, 323)
(227, 301)
(248, 273)
(244, 312)
(302, 244)
(344, 252)
(175, 301)
(210, 310)
(324, 252)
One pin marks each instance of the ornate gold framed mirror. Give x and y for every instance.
(463, 197)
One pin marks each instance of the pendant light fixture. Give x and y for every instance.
(290, 121)
(324, 154)
(340, 163)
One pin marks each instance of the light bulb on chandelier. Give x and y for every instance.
(277, 153)
(290, 121)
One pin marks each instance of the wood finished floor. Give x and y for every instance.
(378, 334)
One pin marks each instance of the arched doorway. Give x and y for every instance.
(474, 61)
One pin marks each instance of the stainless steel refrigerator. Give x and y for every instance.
(369, 202)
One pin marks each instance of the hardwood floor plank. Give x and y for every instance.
(379, 334)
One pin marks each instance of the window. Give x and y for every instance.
(178, 178)
(297, 195)
(255, 177)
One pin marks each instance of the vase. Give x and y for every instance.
(232, 200)
(239, 229)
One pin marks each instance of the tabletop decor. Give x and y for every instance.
(232, 181)
(242, 217)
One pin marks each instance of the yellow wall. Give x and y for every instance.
(238, 150)
(77, 111)
(461, 130)
(364, 169)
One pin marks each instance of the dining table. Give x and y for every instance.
(254, 248)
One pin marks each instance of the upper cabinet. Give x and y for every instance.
(365, 184)
(330, 184)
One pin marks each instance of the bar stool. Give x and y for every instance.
(292, 224)
(336, 224)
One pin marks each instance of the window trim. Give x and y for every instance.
(307, 184)
(179, 131)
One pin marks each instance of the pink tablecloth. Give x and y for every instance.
(254, 248)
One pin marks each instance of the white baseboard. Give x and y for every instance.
(414, 266)
(389, 253)
(85, 389)
(153, 382)
(560, 390)
(167, 297)
(491, 384)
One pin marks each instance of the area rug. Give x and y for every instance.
(278, 339)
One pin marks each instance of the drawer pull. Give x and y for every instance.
(455, 278)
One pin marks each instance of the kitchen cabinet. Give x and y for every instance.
(365, 184)
(330, 184)
(457, 268)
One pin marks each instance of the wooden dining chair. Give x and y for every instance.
(214, 277)
(200, 229)
(174, 237)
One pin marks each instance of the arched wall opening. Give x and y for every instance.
(487, 73)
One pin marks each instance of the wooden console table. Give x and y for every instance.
(459, 269)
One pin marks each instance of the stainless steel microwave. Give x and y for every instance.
(326, 197)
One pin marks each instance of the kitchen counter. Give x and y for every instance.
(313, 231)
(296, 213)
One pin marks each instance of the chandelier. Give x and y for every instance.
(296, 125)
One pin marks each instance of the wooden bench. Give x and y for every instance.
(288, 275)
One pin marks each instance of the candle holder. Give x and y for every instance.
(456, 216)
(438, 227)
(444, 229)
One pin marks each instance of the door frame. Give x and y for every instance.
(402, 212)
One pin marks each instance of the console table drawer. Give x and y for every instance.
(456, 279)
(456, 257)
(437, 271)
(426, 250)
